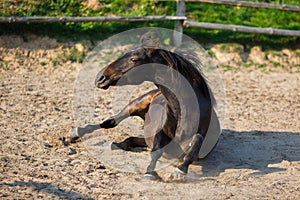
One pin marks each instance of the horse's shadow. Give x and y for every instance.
(256, 150)
(262, 152)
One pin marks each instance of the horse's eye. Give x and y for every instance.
(133, 60)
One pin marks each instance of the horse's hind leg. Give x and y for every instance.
(191, 154)
(130, 143)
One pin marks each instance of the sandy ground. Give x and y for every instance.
(258, 156)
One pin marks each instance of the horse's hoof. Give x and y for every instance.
(107, 145)
(179, 172)
(148, 177)
(110, 146)
(73, 133)
(151, 176)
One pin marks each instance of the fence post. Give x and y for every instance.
(178, 31)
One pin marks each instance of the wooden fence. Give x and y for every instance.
(180, 19)
(250, 4)
(238, 28)
(91, 19)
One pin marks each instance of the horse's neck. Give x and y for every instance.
(172, 101)
(195, 79)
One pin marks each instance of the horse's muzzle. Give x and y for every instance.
(101, 81)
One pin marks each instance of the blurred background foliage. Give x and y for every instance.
(195, 11)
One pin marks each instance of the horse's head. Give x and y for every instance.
(143, 54)
(111, 74)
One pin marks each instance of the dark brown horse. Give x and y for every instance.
(167, 133)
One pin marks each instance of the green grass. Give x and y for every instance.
(194, 11)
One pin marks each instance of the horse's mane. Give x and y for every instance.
(187, 63)
(190, 68)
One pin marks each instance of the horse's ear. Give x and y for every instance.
(147, 41)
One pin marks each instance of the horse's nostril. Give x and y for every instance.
(101, 79)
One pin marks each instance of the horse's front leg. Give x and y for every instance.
(160, 140)
(191, 154)
(137, 107)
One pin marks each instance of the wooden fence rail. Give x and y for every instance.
(245, 29)
(239, 28)
(180, 19)
(90, 19)
(250, 4)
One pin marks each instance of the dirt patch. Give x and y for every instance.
(257, 157)
(236, 57)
